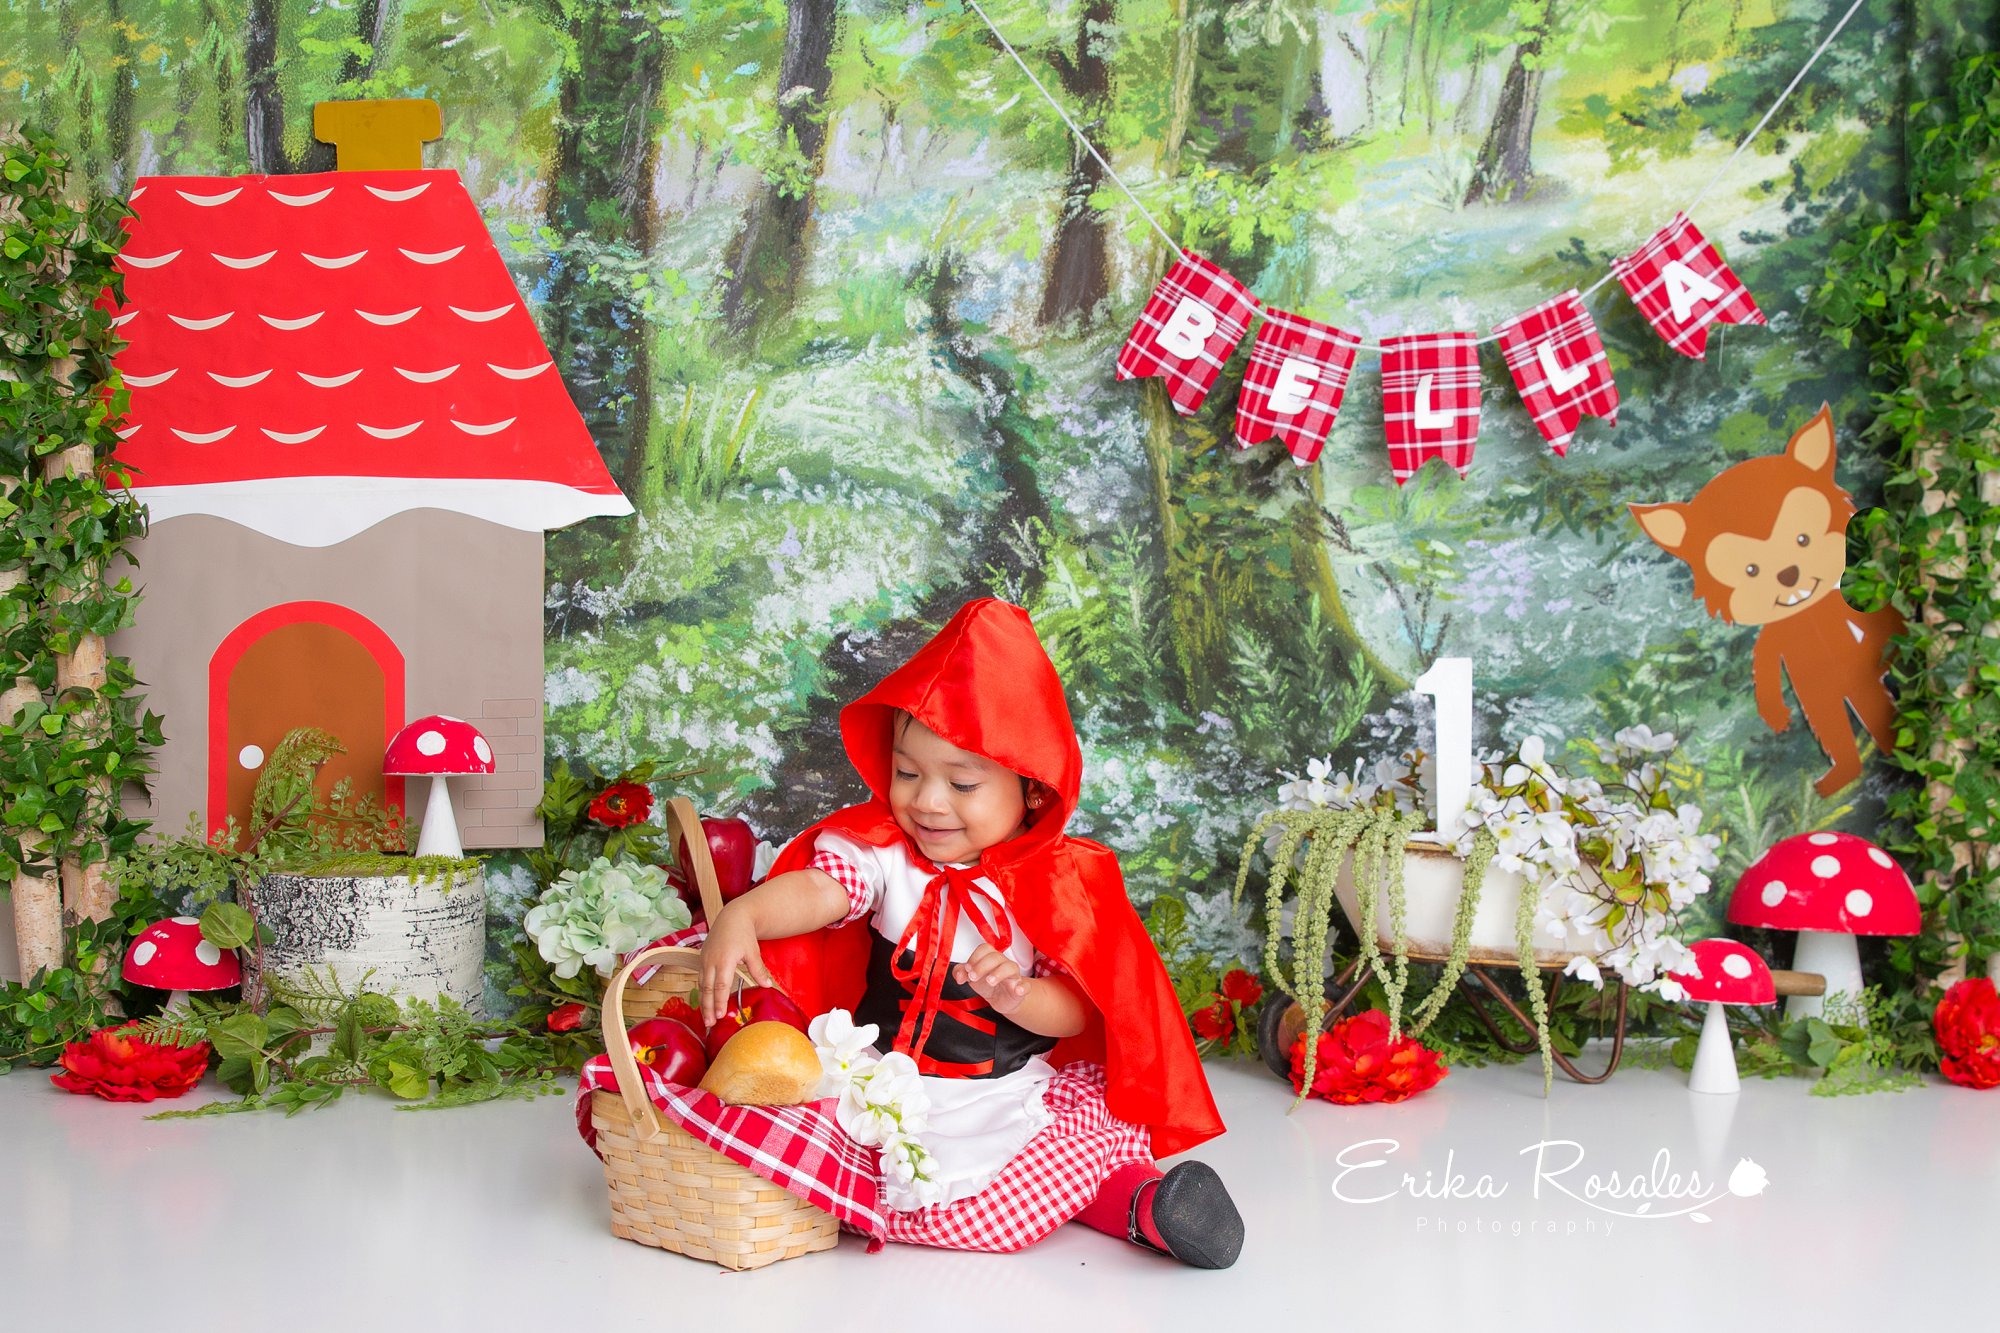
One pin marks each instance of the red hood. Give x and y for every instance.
(985, 684)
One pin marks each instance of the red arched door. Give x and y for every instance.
(303, 664)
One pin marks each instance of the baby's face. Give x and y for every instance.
(954, 804)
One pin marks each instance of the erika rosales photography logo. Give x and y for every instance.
(1368, 1173)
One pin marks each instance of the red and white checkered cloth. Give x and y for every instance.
(1681, 286)
(1188, 329)
(1048, 1182)
(1430, 400)
(688, 937)
(803, 1150)
(1559, 365)
(1299, 408)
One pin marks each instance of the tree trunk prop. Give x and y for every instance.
(88, 894)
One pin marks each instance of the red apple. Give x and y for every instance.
(733, 849)
(671, 1047)
(753, 1004)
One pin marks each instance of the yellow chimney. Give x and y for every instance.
(378, 134)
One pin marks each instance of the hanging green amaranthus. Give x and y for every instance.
(1376, 837)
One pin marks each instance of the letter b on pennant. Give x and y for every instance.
(1187, 330)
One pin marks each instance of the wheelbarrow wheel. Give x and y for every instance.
(1271, 1045)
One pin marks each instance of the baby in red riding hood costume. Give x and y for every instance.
(952, 913)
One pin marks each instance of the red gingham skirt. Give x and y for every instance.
(1048, 1182)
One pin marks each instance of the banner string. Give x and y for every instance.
(1689, 207)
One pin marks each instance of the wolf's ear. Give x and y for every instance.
(1666, 524)
(1813, 445)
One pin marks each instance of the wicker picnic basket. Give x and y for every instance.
(668, 1189)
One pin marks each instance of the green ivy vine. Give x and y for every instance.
(1921, 294)
(64, 755)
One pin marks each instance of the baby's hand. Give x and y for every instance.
(996, 977)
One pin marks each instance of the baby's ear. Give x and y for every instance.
(1665, 523)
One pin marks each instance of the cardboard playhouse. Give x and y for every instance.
(351, 439)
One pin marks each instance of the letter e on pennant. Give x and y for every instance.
(1297, 378)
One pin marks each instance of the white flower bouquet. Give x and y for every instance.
(882, 1103)
(1646, 855)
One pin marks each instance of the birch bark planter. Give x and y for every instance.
(1433, 880)
(421, 937)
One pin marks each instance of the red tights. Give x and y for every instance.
(1111, 1211)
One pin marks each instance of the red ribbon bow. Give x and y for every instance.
(953, 891)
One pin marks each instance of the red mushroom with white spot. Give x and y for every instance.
(171, 955)
(1829, 887)
(1725, 972)
(439, 748)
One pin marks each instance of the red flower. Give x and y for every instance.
(1968, 1031)
(1215, 1022)
(566, 1018)
(1242, 987)
(122, 1068)
(622, 804)
(1358, 1063)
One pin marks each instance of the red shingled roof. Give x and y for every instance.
(310, 354)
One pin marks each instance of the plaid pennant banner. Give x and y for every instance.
(1430, 400)
(1681, 285)
(1190, 326)
(1292, 389)
(1559, 365)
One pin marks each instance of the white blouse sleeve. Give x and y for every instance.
(856, 866)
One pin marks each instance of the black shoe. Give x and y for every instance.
(1194, 1216)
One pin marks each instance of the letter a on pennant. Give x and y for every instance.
(1681, 286)
(1684, 288)
(1558, 363)
(1190, 326)
(1430, 401)
(1293, 387)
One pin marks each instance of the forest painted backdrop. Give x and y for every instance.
(839, 298)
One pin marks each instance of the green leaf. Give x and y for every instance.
(405, 1082)
(241, 1037)
(227, 926)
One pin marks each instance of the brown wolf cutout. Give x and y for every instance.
(1766, 541)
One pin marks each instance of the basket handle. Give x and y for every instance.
(696, 862)
(618, 1042)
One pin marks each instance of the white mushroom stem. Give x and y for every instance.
(1715, 1058)
(440, 831)
(1834, 957)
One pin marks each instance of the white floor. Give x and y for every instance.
(494, 1218)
